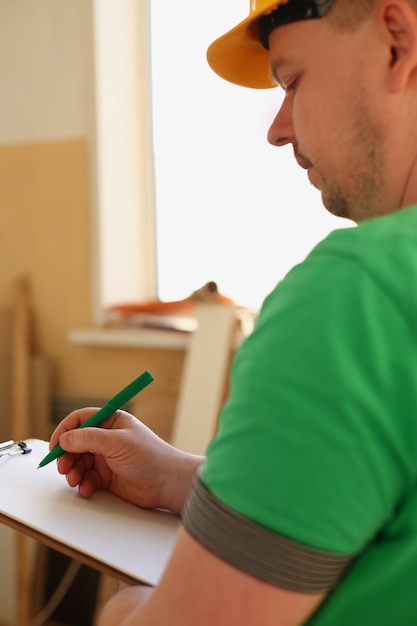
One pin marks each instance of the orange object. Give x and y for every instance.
(209, 293)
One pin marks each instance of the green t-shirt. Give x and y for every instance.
(317, 441)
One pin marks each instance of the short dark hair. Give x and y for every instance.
(349, 14)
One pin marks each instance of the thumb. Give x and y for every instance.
(89, 439)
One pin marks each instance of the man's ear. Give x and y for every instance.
(399, 23)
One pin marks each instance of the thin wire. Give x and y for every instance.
(58, 595)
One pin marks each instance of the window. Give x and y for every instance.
(188, 189)
(229, 207)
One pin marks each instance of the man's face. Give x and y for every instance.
(329, 113)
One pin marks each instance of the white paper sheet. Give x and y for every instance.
(135, 542)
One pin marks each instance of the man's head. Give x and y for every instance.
(349, 72)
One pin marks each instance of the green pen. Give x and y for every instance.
(106, 411)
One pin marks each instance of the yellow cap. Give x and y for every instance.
(240, 57)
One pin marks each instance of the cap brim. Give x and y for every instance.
(239, 57)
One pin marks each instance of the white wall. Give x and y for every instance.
(46, 65)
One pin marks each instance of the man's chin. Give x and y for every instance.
(338, 209)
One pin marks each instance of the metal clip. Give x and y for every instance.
(10, 448)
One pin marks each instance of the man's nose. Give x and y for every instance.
(281, 131)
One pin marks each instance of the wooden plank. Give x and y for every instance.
(21, 360)
(20, 351)
(204, 378)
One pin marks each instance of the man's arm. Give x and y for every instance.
(199, 589)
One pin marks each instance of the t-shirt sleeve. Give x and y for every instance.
(313, 451)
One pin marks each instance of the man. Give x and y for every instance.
(305, 509)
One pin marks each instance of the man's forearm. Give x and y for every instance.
(177, 488)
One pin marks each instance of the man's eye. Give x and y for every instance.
(291, 86)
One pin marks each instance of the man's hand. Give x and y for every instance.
(126, 458)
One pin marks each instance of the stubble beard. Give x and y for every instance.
(360, 195)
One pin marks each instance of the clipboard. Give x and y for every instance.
(103, 532)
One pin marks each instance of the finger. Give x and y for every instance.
(72, 421)
(90, 439)
(67, 461)
(85, 475)
(77, 418)
(89, 484)
(75, 466)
